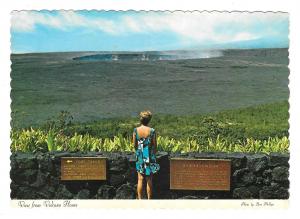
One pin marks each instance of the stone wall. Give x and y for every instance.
(37, 176)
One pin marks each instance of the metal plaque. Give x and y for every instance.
(83, 168)
(200, 174)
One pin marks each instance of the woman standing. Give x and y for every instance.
(144, 140)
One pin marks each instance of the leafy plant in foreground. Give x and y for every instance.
(36, 140)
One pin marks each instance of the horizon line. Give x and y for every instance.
(139, 51)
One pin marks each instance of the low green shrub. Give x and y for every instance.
(35, 140)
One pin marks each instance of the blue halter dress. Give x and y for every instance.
(145, 158)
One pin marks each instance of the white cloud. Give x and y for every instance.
(199, 27)
(244, 36)
(25, 21)
(205, 26)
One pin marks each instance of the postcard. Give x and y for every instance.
(119, 107)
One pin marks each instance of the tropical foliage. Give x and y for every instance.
(37, 140)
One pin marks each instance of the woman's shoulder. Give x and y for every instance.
(152, 131)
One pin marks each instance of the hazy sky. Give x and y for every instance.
(47, 31)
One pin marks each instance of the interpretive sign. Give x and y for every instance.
(200, 174)
(83, 168)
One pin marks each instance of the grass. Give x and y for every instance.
(262, 128)
(259, 122)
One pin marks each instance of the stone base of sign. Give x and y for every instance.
(253, 176)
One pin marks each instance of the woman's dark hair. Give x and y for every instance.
(145, 117)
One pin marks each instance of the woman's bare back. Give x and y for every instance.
(143, 131)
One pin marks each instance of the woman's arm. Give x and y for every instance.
(134, 142)
(154, 142)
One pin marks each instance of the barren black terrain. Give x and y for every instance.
(43, 84)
